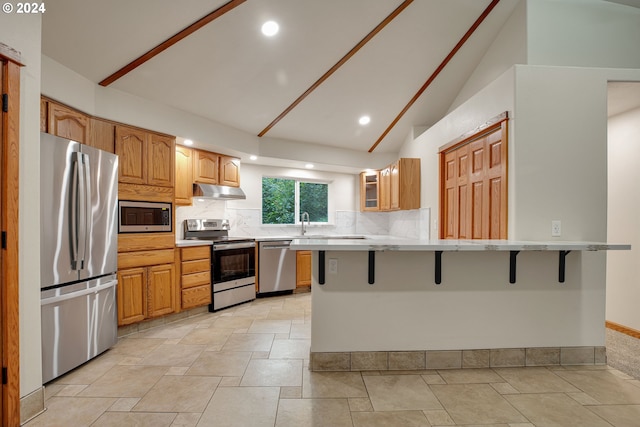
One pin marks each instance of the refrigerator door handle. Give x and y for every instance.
(76, 294)
(85, 210)
(75, 177)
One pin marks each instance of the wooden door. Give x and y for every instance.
(68, 123)
(473, 185)
(463, 199)
(132, 162)
(303, 268)
(229, 171)
(132, 295)
(449, 196)
(184, 175)
(160, 160)
(205, 167)
(9, 255)
(162, 290)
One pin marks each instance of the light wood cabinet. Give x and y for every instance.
(132, 295)
(404, 184)
(303, 268)
(385, 187)
(369, 191)
(396, 187)
(145, 292)
(145, 158)
(102, 135)
(161, 286)
(196, 276)
(184, 175)
(66, 122)
(160, 160)
(205, 167)
(229, 171)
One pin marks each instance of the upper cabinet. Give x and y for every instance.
(229, 171)
(145, 157)
(369, 191)
(64, 122)
(184, 175)
(396, 187)
(205, 167)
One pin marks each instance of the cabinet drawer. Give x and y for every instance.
(196, 252)
(196, 279)
(194, 297)
(196, 266)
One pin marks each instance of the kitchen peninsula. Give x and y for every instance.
(392, 304)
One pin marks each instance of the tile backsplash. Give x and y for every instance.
(248, 222)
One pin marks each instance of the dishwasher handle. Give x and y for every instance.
(279, 245)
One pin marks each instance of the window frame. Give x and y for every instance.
(296, 211)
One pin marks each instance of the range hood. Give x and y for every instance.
(219, 192)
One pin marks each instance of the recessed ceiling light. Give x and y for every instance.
(188, 142)
(308, 166)
(364, 120)
(270, 28)
(253, 157)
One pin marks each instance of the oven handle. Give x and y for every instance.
(228, 246)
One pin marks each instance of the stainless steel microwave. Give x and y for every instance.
(143, 217)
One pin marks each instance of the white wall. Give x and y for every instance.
(66, 86)
(623, 268)
(22, 33)
(508, 48)
(494, 99)
(583, 33)
(245, 215)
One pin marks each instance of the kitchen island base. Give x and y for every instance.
(474, 318)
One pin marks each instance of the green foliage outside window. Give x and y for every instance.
(313, 199)
(279, 204)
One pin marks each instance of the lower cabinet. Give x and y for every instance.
(132, 295)
(146, 285)
(195, 286)
(303, 268)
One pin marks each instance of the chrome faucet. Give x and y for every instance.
(304, 215)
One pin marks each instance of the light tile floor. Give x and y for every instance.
(248, 366)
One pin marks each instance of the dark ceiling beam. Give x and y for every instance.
(338, 64)
(433, 76)
(171, 41)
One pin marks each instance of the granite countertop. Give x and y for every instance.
(396, 244)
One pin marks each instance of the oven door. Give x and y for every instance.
(233, 261)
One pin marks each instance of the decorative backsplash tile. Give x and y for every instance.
(248, 222)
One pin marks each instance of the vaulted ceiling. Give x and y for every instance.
(400, 62)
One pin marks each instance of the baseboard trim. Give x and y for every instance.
(31, 405)
(623, 329)
(456, 359)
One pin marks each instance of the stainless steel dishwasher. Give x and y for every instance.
(276, 267)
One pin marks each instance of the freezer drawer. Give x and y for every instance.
(78, 323)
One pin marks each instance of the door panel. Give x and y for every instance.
(473, 187)
(161, 290)
(130, 147)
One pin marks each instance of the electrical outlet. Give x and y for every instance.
(556, 228)
(333, 266)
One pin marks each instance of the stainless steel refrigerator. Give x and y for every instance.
(78, 253)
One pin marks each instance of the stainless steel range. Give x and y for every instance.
(233, 260)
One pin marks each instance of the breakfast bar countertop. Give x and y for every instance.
(402, 244)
